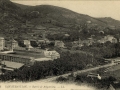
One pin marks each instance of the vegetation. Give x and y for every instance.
(67, 63)
(13, 24)
(107, 50)
(14, 16)
(83, 79)
(105, 82)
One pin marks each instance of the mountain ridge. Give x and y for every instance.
(51, 17)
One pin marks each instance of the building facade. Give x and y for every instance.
(59, 44)
(52, 54)
(14, 44)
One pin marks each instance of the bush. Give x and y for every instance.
(61, 78)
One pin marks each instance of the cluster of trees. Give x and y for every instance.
(67, 63)
(106, 50)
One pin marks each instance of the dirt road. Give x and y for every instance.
(75, 73)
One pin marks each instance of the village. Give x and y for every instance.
(26, 51)
(47, 43)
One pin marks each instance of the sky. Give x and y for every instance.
(108, 8)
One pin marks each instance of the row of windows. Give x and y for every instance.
(14, 59)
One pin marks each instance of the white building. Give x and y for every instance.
(26, 42)
(109, 38)
(59, 44)
(52, 54)
(44, 41)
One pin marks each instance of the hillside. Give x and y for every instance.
(60, 16)
(16, 17)
(22, 6)
(10, 14)
(10, 18)
(110, 21)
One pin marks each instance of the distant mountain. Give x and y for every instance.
(110, 21)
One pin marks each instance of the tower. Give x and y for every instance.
(2, 43)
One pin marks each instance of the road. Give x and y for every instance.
(75, 73)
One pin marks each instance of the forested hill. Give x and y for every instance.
(60, 16)
(10, 15)
(63, 17)
(14, 16)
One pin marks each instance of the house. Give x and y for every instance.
(81, 43)
(11, 65)
(88, 42)
(59, 44)
(109, 38)
(26, 42)
(66, 35)
(8, 44)
(51, 54)
(92, 75)
(14, 44)
(114, 40)
(43, 41)
(77, 43)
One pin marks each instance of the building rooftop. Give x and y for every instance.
(43, 59)
(27, 54)
(17, 55)
(14, 65)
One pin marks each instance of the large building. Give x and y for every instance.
(22, 53)
(26, 56)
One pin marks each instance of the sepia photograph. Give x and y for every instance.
(59, 45)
